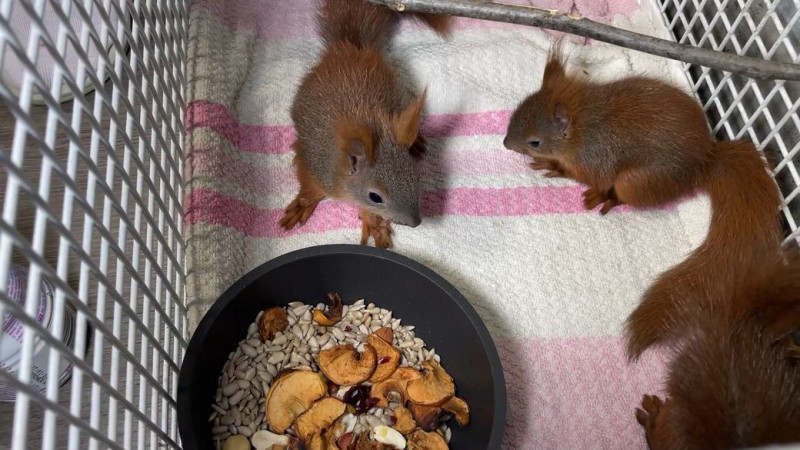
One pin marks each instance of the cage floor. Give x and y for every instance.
(553, 282)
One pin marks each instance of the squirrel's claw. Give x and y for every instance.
(377, 227)
(298, 212)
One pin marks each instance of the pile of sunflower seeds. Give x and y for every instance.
(250, 369)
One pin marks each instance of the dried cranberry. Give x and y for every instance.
(346, 441)
(347, 328)
(333, 388)
(394, 420)
(384, 360)
(358, 397)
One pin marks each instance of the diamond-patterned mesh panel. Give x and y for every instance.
(93, 316)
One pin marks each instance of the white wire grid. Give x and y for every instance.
(92, 203)
(764, 112)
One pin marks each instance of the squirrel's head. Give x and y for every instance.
(542, 125)
(378, 163)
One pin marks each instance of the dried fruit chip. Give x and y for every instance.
(459, 409)
(333, 312)
(272, 322)
(396, 383)
(388, 358)
(426, 417)
(435, 387)
(318, 417)
(290, 395)
(345, 366)
(404, 421)
(421, 440)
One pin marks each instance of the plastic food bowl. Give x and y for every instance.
(415, 294)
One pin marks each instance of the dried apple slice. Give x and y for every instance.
(403, 420)
(459, 409)
(273, 321)
(332, 314)
(434, 388)
(388, 358)
(345, 366)
(426, 417)
(290, 395)
(421, 440)
(318, 417)
(396, 383)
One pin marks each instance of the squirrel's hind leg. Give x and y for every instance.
(593, 197)
(377, 227)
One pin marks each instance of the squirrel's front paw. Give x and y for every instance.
(298, 212)
(553, 169)
(377, 227)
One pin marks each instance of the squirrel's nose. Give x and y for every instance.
(415, 220)
(506, 143)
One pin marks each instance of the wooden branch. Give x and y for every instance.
(574, 24)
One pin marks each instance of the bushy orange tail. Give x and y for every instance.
(744, 230)
(366, 24)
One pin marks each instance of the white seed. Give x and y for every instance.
(243, 384)
(280, 339)
(338, 333)
(275, 358)
(221, 411)
(230, 389)
(248, 350)
(236, 398)
(250, 373)
(227, 420)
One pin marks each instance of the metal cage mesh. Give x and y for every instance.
(91, 159)
(92, 206)
(764, 112)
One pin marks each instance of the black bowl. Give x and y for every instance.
(415, 294)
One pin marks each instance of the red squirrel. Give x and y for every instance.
(357, 125)
(645, 143)
(735, 382)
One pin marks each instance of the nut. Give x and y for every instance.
(265, 440)
(237, 442)
(385, 333)
(389, 436)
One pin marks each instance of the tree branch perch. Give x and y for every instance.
(573, 24)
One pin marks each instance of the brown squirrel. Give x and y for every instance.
(643, 142)
(357, 125)
(736, 380)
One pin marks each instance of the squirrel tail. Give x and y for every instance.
(744, 231)
(365, 24)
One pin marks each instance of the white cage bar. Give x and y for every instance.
(91, 100)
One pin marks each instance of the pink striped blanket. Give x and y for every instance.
(552, 281)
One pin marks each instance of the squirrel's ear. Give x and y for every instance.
(554, 73)
(355, 142)
(406, 124)
(562, 119)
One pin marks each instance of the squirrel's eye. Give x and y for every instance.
(375, 198)
(533, 144)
